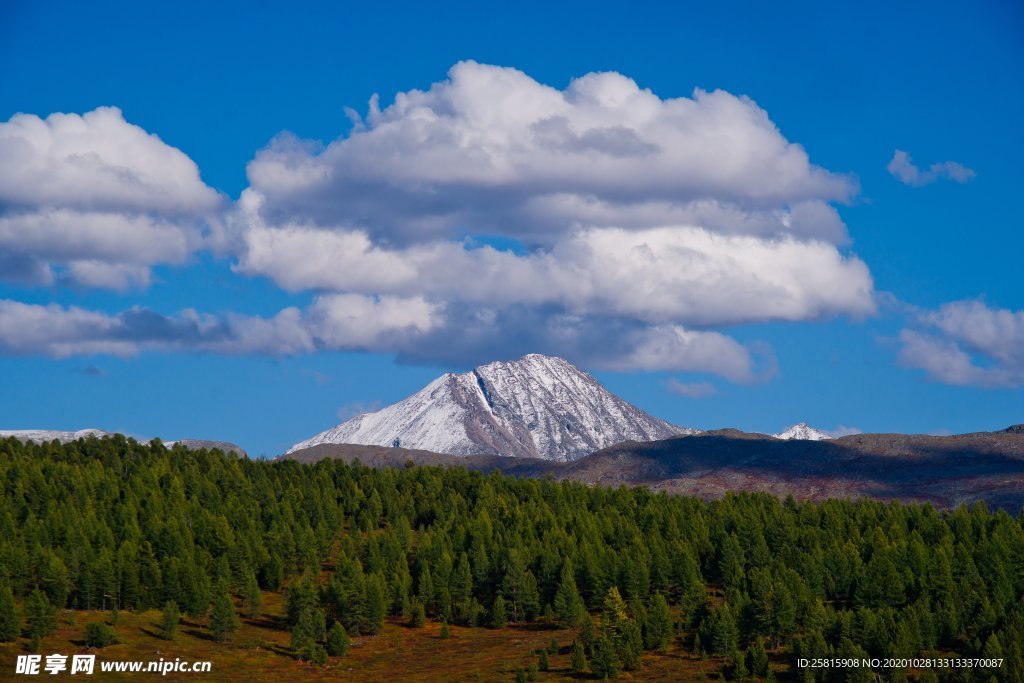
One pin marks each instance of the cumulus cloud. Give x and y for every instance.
(967, 343)
(333, 322)
(492, 151)
(95, 200)
(637, 227)
(640, 224)
(679, 274)
(903, 168)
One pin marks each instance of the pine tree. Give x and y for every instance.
(252, 598)
(578, 657)
(757, 659)
(606, 661)
(724, 633)
(337, 640)
(499, 615)
(418, 614)
(224, 619)
(568, 604)
(10, 624)
(543, 663)
(630, 646)
(40, 615)
(308, 632)
(168, 626)
(659, 624)
(374, 605)
(317, 654)
(445, 631)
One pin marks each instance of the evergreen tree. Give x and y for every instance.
(223, 619)
(757, 659)
(630, 646)
(337, 640)
(605, 663)
(578, 657)
(568, 604)
(252, 598)
(299, 597)
(375, 604)
(499, 615)
(418, 615)
(445, 631)
(10, 624)
(725, 636)
(308, 632)
(317, 654)
(168, 626)
(40, 615)
(542, 662)
(659, 624)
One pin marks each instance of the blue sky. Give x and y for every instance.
(935, 345)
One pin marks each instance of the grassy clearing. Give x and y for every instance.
(259, 651)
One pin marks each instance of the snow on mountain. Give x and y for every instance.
(537, 406)
(45, 435)
(802, 432)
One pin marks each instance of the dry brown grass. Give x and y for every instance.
(258, 651)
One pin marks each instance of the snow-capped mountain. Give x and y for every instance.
(802, 432)
(45, 435)
(537, 406)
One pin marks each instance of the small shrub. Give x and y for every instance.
(337, 640)
(317, 654)
(98, 634)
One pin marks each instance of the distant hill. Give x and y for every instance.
(943, 470)
(45, 435)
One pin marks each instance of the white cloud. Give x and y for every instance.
(967, 343)
(902, 167)
(681, 274)
(96, 199)
(640, 227)
(347, 322)
(656, 218)
(492, 151)
(691, 389)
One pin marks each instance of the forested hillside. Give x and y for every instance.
(750, 581)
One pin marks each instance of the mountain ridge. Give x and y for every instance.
(534, 407)
(945, 471)
(45, 435)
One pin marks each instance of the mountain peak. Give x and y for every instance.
(802, 431)
(537, 406)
